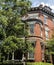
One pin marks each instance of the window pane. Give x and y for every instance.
(31, 28)
(31, 54)
(46, 34)
(45, 20)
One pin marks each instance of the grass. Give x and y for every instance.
(38, 63)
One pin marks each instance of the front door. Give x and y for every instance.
(53, 58)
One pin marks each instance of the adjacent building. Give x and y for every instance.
(41, 22)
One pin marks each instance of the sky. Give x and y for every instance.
(49, 3)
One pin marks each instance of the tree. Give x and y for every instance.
(50, 46)
(10, 45)
(11, 13)
(0, 51)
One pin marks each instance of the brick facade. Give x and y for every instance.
(43, 28)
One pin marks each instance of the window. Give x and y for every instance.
(45, 19)
(42, 56)
(42, 45)
(31, 28)
(41, 30)
(31, 55)
(31, 52)
(46, 32)
(53, 21)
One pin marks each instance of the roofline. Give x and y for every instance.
(41, 9)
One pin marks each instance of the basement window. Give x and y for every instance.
(31, 55)
(31, 52)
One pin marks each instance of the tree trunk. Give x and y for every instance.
(51, 58)
(7, 56)
(12, 55)
(0, 56)
(23, 57)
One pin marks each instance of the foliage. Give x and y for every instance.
(50, 45)
(12, 28)
(30, 45)
(2, 34)
(9, 44)
(10, 16)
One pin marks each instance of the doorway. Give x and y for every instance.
(53, 58)
(18, 55)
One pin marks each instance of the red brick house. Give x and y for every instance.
(41, 21)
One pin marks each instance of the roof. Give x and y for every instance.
(45, 10)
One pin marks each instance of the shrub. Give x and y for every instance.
(11, 62)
